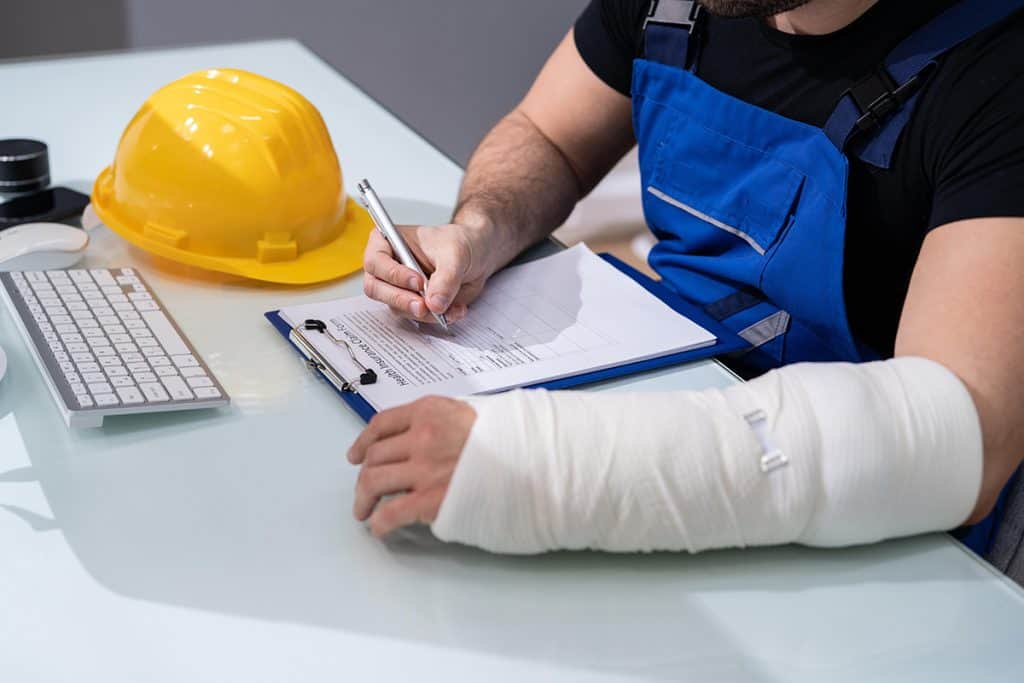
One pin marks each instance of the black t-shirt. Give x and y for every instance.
(961, 156)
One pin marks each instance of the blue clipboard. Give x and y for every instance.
(727, 342)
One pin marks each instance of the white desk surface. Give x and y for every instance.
(219, 546)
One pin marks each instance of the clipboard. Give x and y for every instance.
(727, 342)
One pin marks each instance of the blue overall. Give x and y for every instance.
(749, 207)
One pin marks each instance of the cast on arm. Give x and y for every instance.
(823, 454)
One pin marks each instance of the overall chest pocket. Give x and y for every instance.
(730, 188)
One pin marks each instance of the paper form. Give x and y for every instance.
(555, 317)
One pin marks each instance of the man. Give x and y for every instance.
(840, 182)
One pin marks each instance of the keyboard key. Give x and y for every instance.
(99, 388)
(121, 382)
(61, 319)
(66, 329)
(61, 357)
(82, 358)
(117, 371)
(104, 352)
(140, 296)
(141, 377)
(96, 342)
(79, 388)
(207, 392)
(147, 342)
(168, 371)
(153, 392)
(78, 348)
(137, 367)
(108, 319)
(68, 338)
(85, 401)
(129, 315)
(117, 299)
(146, 306)
(126, 348)
(115, 329)
(177, 388)
(155, 355)
(88, 323)
(133, 358)
(93, 332)
(106, 399)
(110, 361)
(130, 395)
(94, 377)
(137, 325)
(103, 277)
(121, 305)
(185, 361)
(73, 378)
(193, 372)
(196, 382)
(67, 367)
(88, 367)
(79, 276)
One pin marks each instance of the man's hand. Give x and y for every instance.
(453, 257)
(410, 450)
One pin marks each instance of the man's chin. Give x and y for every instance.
(750, 8)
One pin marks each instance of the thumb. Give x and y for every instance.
(444, 284)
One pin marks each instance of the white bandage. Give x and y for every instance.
(822, 454)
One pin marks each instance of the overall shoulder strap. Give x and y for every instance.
(671, 33)
(870, 116)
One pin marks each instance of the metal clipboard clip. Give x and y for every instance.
(317, 362)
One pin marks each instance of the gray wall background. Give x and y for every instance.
(448, 68)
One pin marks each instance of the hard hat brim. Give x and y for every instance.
(331, 261)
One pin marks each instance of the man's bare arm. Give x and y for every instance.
(521, 183)
(965, 310)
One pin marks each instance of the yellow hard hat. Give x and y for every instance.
(233, 172)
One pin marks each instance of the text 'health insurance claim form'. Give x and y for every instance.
(559, 316)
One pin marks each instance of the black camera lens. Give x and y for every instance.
(24, 166)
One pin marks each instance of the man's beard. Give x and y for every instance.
(750, 8)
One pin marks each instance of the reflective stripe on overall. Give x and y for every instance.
(749, 207)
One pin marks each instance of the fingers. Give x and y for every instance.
(383, 425)
(442, 287)
(401, 301)
(417, 507)
(377, 482)
(380, 263)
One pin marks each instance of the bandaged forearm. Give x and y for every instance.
(823, 454)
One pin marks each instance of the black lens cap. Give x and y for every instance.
(24, 165)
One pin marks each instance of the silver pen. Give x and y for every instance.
(383, 222)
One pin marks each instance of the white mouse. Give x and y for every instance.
(41, 246)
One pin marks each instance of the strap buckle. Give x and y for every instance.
(878, 96)
(684, 13)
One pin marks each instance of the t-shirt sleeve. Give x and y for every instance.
(977, 164)
(606, 35)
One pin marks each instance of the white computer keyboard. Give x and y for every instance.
(106, 346)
